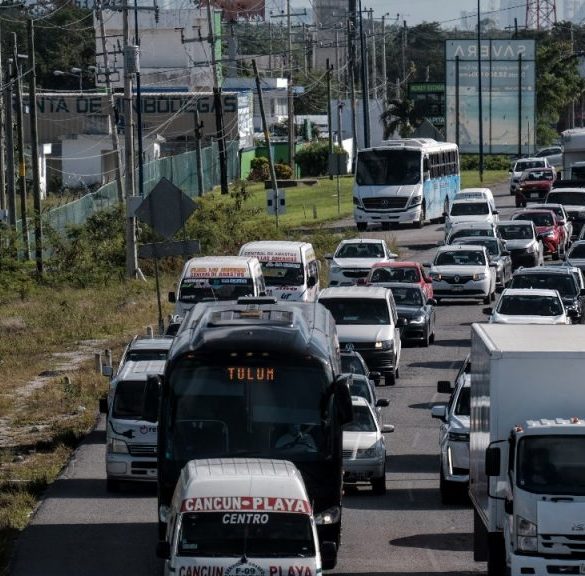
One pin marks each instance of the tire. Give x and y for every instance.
(426, 341)
(487, 299)
(556, 255)
(361, 226)
(389, 378)
(449, 490)
(496, 560)
(113, 486)
(432, 338)
(423, 217)
(385, 226)
(493, 296)
(379, 484)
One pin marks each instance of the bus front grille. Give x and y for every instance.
(385, 203)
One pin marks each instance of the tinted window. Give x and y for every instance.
(388, 167)
(539, 218)
(362, 420)
(128, 400)
(469, 209)
(361, 388)
(463, 406)
(577, 251)
(395, 274)
(516, 305)
(575, 198)
(360, 250)
(513, 232)
(407, 296)
(460, 258)
(352, 365)
(283, 273)
(564, 283)
(365, 311)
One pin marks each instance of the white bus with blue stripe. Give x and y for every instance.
(405, 181)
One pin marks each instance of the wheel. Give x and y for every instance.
(362, 226)
(512, 192)
(556, 255)
(379, 484)
(426, 341)
(493, 296)
(385, 225)
(113, 485)
(423, 217)
(432, 338)
(449, 490)
(389, 378)
(487, 299)
(496, 560)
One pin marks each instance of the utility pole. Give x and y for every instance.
(329, 119)
(479, 95)
(138, 107)
(129, 69)
(291, 110)
(34, 139)
(21, 164)
(267, 138)
(199, 161)
(112, 105)
(218, 104)
(365, 88)
(2, 151)
(374, 71)
(10, 179)
(404, 32)
(384, 71)
(351, 79)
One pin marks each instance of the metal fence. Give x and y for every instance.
(180, 169)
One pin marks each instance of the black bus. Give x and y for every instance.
(255, 379)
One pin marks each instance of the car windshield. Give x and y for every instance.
(351, 365)
(250, 534)
(388, 168)
(521, 305)
(128, 400)
(201, 289)
(525, 165)
(540, 175)
(539, 218)
(564, 283)
(146, 355)
(490, 243)
(463, 405)
(361, 388)
(553, 464)
(283, 273)
(460, 258)
(478, 232)
(363, 420)
(469, 208)
(566, 198)
(360, 250)
(362, 311)
(395, 274)
(577, 251)
(515, 232)
(407, 296)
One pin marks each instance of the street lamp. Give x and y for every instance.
(74, 72)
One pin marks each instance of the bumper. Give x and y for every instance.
(550, 246)
(362, 470)
(471, 289)
(126, 467)
(347, 277)
(415, 332)
(407, 216)
(525, 259)
(455, 462)
(377, 360)
(545, 566)
(525, 195)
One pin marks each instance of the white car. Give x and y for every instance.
(522, 242)
(364, 448)
(476, 194)
(469, 211)
(353, 259)
(553, 155)
(469, 229)
(454, 441)
(463, 271)
(367, 318)
(521, 165)
(576, 255)
(529, 306)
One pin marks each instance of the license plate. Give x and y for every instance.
(458, 288)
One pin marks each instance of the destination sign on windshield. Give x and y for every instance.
(250, 374)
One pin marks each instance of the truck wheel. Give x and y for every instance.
(379, 484)
(389, 378)
(449, 490)
(362, 226)
(112, 485)
(496, 561)
(423, 216)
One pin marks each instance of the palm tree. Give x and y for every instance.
(399, 116)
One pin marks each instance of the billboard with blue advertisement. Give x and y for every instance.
(508, 95)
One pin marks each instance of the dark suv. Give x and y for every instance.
(554, 278)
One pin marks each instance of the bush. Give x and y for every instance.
(283, 171)
(313, 159)
(471, 162)
(260, 169)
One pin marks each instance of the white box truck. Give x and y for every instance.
(527, 448)
(573, 142)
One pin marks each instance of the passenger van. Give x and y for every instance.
(290, 269)
(212, 278)
(241, 517)
(131, 443)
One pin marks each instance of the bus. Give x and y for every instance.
(405, 181)
(255, 379)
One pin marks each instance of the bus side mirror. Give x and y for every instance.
(163, 550)
(492, 461)
(342, 397)
(150, 408)
(172, 297)
(311, 281)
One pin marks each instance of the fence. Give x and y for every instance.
(180, 169)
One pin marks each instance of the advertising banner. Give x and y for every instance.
(508, 95)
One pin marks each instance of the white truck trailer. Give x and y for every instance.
(527, 448)
(573, 142)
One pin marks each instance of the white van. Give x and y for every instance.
(241, 517)
(476, 194)
(290, 269)
(212, 278)
(131, 443)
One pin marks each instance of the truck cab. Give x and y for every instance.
(241, 517)
(545, 496)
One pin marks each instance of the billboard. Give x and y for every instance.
(428, 99)
(508, 95)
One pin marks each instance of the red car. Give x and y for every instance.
(534, 183)
(548, 228)
(409, 272)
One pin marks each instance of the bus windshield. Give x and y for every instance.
(283, 273)
(388, 168)
(246, 405)
(276, 534)
(128, 400)
(195, 290)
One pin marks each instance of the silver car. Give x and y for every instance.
(454, 441)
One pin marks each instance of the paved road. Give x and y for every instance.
(80, 529)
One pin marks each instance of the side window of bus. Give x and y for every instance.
(314, 269)
(433, 162)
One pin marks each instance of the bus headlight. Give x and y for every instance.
(526, 535)
(330, 516)
(357, 202)
(415, 200)
(116, 446)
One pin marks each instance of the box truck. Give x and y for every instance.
(527, 448)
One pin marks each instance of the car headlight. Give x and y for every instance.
(531, 249)
(480, 276)
(458, 436)
(417, 320)
(371, 452)
(335, 269)
(330, 516)
(526, 534)
(116, 446)
(416, 200)
(384, 345)
(435, 276)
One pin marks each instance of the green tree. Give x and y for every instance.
(400, 116)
